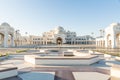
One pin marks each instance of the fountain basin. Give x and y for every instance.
(61, 60)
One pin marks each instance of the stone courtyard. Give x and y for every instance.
(27, 71)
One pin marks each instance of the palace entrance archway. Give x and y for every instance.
(6, 35)
(59, 41)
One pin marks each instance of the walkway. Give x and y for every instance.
(27, 71)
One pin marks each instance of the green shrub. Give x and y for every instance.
(7, 54)
(19, 51)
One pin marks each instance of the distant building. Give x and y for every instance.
(110, 37)
(61, 36)
(55, 36)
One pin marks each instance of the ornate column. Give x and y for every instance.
(97, 43)
(6, 39)
(113, 45)
(2, 40)
(45, 42)
(12, 41)
(106, 41)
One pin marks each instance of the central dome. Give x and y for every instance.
(59, 30)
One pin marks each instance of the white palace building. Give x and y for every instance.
(10, 38)
(110, 37)
(61, 36)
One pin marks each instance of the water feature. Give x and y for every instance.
(59, 57)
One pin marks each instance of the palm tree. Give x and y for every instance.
(103, 33)
(92, 33)
(100, 32)
(17, 37)
(26, 33)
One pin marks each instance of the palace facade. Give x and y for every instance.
(10, 37)
(60, 36)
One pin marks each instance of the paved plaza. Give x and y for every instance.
(27, 71)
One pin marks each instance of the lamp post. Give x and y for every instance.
(92, 39)
(26, 38)
(92, 34)
(101, 32)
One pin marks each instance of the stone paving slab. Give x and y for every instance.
(64, 75)
(7, 67)
(38, 76)
(13, 78)
(90, 76)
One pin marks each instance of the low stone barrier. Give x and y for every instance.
(115, 72)
(68, 53)
(7, 71)
(117, 58)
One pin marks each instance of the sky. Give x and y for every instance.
(80, 16)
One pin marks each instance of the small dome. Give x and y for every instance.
(114, 24)
(5, 24)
